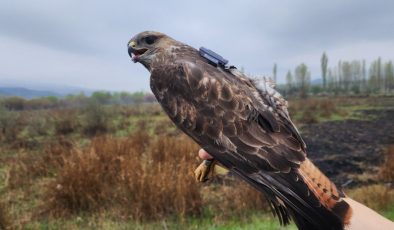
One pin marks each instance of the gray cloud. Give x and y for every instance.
(82, 43)
(41, 25)
(327, 24)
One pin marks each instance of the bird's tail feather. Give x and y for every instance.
(298, 196)
(325, 190)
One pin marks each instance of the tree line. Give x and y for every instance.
(77, 100)
(346, 77)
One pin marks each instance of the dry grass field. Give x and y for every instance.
(127, 167)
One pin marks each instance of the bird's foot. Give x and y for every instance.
(205, 170)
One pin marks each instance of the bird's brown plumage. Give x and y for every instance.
(244, 127)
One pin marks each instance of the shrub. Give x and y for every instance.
(65, 121)
(233, 198)
(309, 116)
(387, 168)
(102, 97)
(37, 124)
(5, 220)
(9, 125)
(310, 110)
(377, 197)
(164, 127)
(27, 167)
(42, 103)
(144, 182)
(95, 119)
(327, 108)
(143, 179)
(14, 103)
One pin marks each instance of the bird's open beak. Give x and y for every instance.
(134, 52)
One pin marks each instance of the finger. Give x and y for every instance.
(204, 155)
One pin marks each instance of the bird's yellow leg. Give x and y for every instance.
(208, 169)
(204, 171)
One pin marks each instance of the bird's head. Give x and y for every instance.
(145, 46)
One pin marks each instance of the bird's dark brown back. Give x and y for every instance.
(242, 128)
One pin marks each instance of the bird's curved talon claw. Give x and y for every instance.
(204, 171)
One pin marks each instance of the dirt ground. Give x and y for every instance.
(350, 151)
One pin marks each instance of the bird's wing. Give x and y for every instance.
(228, 117)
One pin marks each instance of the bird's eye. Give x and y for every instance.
(150, 40)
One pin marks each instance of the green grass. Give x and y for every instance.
(389, 213)
(256, 221)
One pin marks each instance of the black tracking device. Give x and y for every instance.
(213, 57)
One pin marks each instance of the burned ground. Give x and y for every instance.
(350, 151)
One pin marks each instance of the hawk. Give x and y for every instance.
(244, 126)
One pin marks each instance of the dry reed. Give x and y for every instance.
(387, 168)
(377, 197)
(143, 181)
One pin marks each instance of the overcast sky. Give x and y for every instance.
(83, 43)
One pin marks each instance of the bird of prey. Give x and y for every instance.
(245, 127)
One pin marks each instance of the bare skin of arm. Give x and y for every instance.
(363, 218)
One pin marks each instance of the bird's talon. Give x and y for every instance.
(204, 171)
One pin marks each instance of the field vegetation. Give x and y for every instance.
(83, 162)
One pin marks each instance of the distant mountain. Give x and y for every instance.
(317, 81)
(10, 87)
(25, 93)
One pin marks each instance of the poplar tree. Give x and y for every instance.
(303, 76)
(324, 62)
(274, 71)
(289, 81)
